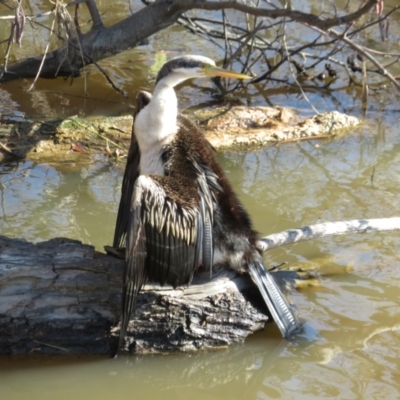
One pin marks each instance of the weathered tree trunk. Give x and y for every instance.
(62, 296)
(99, 43)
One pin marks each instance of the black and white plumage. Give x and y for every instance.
(178, 211)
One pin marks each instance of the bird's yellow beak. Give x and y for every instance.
(210, 70)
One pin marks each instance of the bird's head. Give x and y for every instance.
(180, 68)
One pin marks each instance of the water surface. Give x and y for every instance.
(352, 310)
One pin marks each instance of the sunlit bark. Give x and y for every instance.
(63, 297)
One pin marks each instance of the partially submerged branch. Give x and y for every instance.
(326, 229)
(62, 297)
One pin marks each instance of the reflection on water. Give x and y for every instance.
(265, 368)
(76, 199)
(355, 314)
(353, 347)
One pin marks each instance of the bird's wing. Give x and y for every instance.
(134, 274)
(208, 185)
(130, 176)
(278, 306)
(164, 237)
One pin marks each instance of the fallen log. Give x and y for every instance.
(63, 297)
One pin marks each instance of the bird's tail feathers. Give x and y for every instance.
(278, 306)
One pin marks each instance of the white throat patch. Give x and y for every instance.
(156, 126)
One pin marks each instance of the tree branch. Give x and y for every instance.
(61, 296)
(327, 229)
(363, 51)
(298, 16)
(97, 44)
(101, 42)
(94, 13)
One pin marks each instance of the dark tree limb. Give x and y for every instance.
(97, 44)
(297, 16)
(102, 42)
(94, 12)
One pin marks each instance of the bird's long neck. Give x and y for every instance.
(156, 124)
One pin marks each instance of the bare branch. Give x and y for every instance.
(109, 80)
(44, 56)
(291, 70)
(94, 13)
(244, 43)
(363, 51)
(298, 16)
(327, 229)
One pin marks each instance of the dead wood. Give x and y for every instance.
(63, 297)
(78, 50)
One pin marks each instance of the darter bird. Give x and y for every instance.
(177, 210)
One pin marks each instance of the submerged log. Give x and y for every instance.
(63, 297)
(226, 128)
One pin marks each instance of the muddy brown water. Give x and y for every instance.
(351, 349)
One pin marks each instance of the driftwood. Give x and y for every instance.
(327, 229)
(63, 297)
